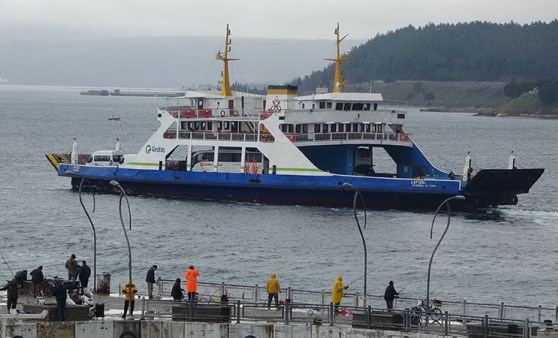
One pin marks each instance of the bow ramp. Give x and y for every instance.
(493, 187)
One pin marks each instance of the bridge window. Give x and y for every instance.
(358, 106)
(317, 128)
(347, 106)
(339, 106)
(334, 128)
(329, 105)
(322, 105)
(341, 127)
(325, 128)
(367, 106)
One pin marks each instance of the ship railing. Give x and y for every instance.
(185, 112)
(294, 137)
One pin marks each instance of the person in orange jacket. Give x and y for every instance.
(129, 290)
(191, 276)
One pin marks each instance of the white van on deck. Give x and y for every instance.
(106, 157)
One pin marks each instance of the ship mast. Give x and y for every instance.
(224, 82)
(339, 59)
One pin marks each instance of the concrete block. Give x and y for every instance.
(95, 329)
(130, 327)
(209, 330)
(20, 329)
(56, 329)
(162, 329)
(254, 329)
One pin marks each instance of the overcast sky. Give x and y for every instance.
(308, 19)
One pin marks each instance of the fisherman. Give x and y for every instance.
(273, 288)
(84, 274)
(13, 293)
(337, 292)
(21, 277)
(390, 295)
(72, 265)
(177, 292)
(60, 293)
(37, 277)
(150, 279)
(191, 276)
(129, 290)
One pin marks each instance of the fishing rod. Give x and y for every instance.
(369, 272)
(8, 265)
(404, 287)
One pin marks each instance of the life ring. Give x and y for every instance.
(264, 138)
(222, 113)
(234, 113)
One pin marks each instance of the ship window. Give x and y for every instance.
(375, 106)
(339, 106)
(209, 125)
(347, 106)
(367, 128)
(326, 128)
(317, 128)
(374, 128)
(341, 127)
(226, 125)
(334, 128)
(303, 106)
(305, 128)
(322, 105)
(355, 127)
(290, 128)
(284, 128)
(400, 116)
(329, 105)
(298, 128)
(367, 106)
(358, 106)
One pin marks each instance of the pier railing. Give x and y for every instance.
(211, 292)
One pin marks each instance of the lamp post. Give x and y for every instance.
(355, 199)
(446, 202)
(93, 227)
(123, 193)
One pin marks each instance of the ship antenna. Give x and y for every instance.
(339, 59)
(224, 82)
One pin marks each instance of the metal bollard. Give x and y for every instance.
(485, 327)
(539, 313)
(368, 316)
(407, 319)
(526, 331)
(446, 323)
(142, 308)
(256, 294)
(287, 311)
(238, 311)
(331, 313)
(501, 311)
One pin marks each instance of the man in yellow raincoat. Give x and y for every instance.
(129, 290)
(337, 291)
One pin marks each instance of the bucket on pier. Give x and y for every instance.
(103, 283)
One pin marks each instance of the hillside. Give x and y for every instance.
(450, 66)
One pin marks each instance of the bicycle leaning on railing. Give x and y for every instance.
(426, 314)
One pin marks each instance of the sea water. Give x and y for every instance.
(503, 255)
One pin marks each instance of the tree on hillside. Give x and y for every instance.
(548, 93)
(475, 51)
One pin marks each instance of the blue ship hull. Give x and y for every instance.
(276, 189)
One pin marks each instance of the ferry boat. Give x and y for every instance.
(283, 148)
